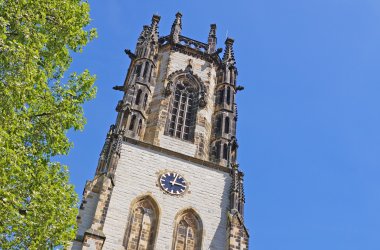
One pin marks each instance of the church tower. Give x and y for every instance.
(167, 176)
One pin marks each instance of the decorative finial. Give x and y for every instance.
(176, 28)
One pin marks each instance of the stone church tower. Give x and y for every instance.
(167, 176)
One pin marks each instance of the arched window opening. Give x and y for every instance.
(232, 80)
(142, 225)
(132, 124)
(124, 121)
(218, 125)
(150, 73)
(188, 231)
(226, 125)
(225, 151)
(145, 101)
(138, 97)
(146, 69)
(217, 149)
(221, 96)
(139, 127)
(228, 95)
(138, 70)
(183, 111)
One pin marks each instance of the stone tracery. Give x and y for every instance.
(188, 231)
(142, 225)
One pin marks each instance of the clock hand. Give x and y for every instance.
(174, 181)
(179, 184)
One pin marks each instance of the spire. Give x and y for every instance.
(212, 39)
(229, 51)
(176, 28)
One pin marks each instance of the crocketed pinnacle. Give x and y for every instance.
(229, 51)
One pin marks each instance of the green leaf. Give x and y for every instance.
(38, 205)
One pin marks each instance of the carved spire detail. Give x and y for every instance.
(176, 28)
(229, 56)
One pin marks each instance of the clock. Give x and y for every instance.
(173, 183)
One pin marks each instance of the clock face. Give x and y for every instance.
(173, 183)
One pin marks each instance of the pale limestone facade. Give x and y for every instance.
(178, 115)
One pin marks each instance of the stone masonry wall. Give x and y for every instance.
(137, 175)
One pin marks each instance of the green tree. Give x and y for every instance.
(38, 106)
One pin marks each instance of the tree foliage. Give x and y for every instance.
(38, 106)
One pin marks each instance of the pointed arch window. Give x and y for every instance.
(146, 68)
(132, 124)
(225, 151)
(228, 95)
(138, 97)
(221, 96)
(142, 225)
(145, 101)
(139, 127)
(138, 70)
(226, 125)
(218, 125)
(188, 231)
(182, 115)
(232, 78)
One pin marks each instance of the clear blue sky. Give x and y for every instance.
(309, 117)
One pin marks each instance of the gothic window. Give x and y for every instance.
(183, 111)
(138, 70)
(132, 124)
(142, 225)
(217, 150)
(150, 73)
(145, 100)
(124, 120)
(226, 125)
(139, 127)
(228, 95)
(188, 231)
(146, 69)
(221, 96)
(225, 151)
(218, 126)
(231, 76)
(138, 97)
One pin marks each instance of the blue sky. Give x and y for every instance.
(309, 117)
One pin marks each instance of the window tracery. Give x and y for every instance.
(188, 231)
(183, 111)
(142, 225)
